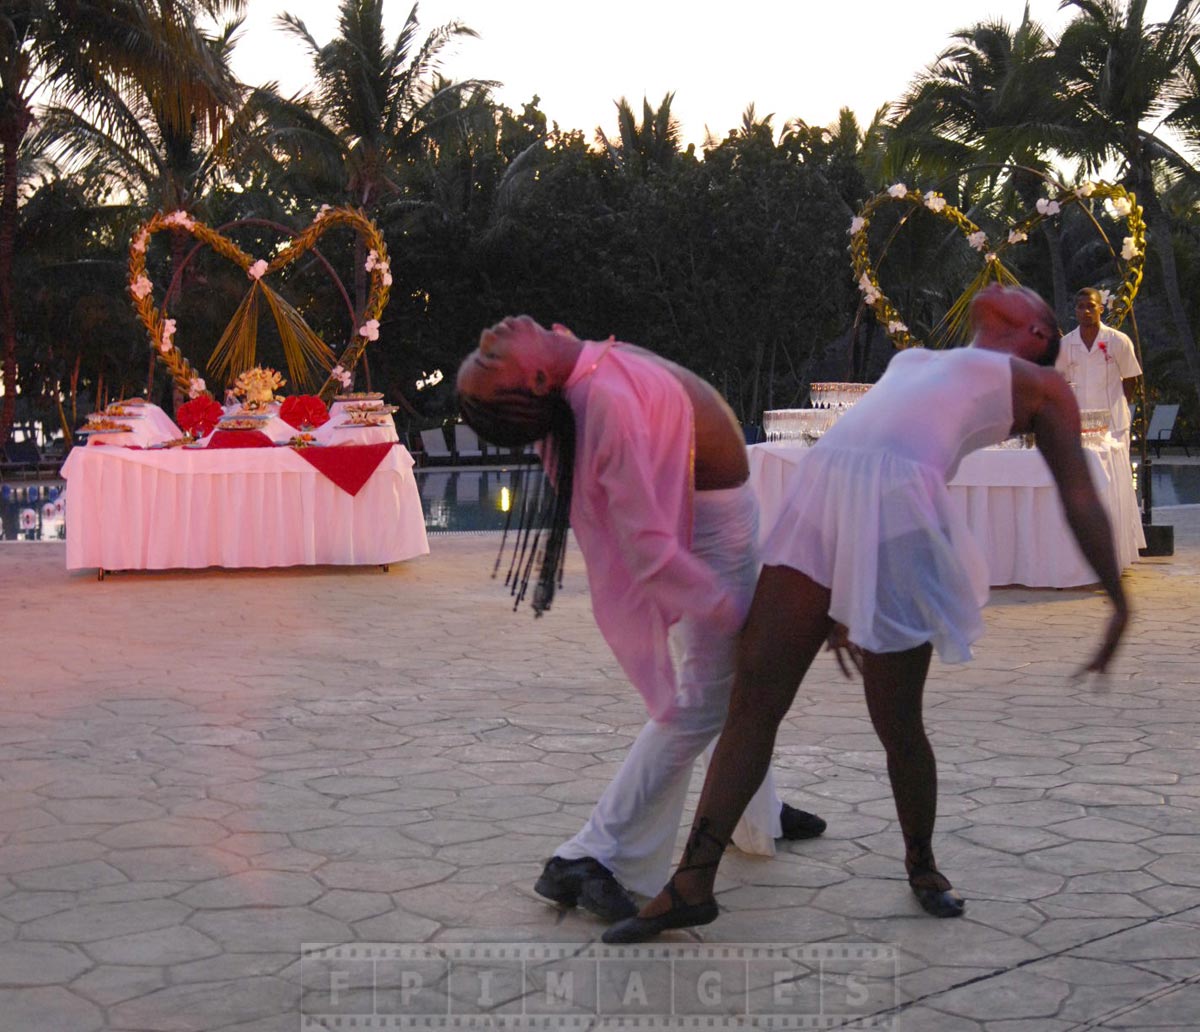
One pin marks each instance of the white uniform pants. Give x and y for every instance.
(633, 828)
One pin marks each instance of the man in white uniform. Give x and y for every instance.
(1100, 364)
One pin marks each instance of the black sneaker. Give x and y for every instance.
(589, 884)
(799, 824)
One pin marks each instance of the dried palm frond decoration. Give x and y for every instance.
(952, 326)
(309, 359)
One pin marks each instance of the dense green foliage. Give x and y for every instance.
(732, 262)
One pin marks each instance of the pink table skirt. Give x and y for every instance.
(189, 509)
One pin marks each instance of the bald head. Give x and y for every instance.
(1015, 320)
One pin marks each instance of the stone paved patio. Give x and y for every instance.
(201, 772)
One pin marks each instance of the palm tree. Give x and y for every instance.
(379, 103)
(1123, 75)
(653, 144)
(128, 141)
(80, 49)
(849, 157)
(989, 99)
(379, 100)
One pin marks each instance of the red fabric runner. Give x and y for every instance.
(240, 439)
(347, 465)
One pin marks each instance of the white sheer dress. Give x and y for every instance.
(868, 514)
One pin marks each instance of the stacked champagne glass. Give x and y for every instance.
(804, 426)
(839, 396)
(1094, 425)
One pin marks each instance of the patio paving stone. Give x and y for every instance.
(172, 830)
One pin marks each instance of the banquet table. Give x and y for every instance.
(1011, 505)
(353, 502)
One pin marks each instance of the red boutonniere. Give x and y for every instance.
(1104, 351)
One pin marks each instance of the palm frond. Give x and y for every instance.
(953, 327)
(236, 350)
(295, 26)
(303, 350)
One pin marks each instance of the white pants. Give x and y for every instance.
(632, 829)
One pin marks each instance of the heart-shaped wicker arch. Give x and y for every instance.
(300, 343)
(1130, 260)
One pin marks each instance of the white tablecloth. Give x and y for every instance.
(1011, 505)
(155, 510)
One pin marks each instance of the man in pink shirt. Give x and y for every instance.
(649, 463)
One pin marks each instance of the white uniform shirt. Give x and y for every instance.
(1097, 374)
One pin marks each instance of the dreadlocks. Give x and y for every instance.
(516, 419)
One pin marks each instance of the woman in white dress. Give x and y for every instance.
(869, 556)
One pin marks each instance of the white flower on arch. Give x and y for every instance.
(1121, 206)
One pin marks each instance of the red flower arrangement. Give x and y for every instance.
(198, 416)
(303, 409)
(1104, 351)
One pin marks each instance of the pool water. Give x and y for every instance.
(452, 499)
(1175, 485)
(474, 499)
(33, 512)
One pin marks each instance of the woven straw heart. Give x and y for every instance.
(1130, 260)
(303, 347)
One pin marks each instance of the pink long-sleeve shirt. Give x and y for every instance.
(631, 511)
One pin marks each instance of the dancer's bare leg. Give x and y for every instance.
(894, 684)
(786, 628)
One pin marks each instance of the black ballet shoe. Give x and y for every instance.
(681, 914)
(936, 895)
(799, 824)
(585, 882)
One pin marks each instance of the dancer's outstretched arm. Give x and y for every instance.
(1043, 403)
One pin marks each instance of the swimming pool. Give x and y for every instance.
(452, 499)
(1175, 485)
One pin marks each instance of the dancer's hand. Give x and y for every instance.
(1098, 664)
(843, 648)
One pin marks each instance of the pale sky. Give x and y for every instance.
(793, 58)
